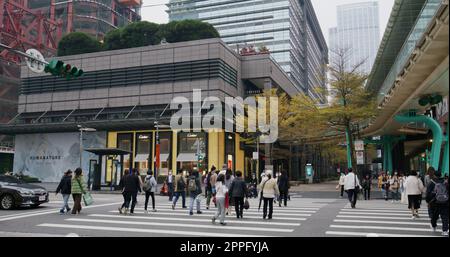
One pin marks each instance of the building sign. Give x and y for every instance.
(359, 145)
(255, 156)
(359, 157)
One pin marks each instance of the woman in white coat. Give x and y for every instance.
(414, 189)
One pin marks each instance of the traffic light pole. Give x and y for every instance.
(23, 54)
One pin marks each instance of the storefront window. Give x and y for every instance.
(191, 144)
(125, 142)
(143, 150)
(164, 146)
(229, 150)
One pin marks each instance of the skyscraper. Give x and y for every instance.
(288, 28)
(358, 32)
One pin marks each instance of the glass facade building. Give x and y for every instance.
(358, 32)
(288, 28)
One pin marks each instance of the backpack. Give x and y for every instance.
(440, 193)
(180, 184)
(147, 185)
(192, 186)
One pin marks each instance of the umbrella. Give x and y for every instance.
(260, 200)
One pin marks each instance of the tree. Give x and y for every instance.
(138, 34)
(187, 30)
(78, 43)
(113, 40)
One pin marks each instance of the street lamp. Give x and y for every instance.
(81, 129)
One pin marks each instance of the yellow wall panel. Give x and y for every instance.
(239, 155)
(221, 149)
(174, 152)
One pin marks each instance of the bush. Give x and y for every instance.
(78, 43)
(187, 30)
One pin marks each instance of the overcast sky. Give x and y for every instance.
(154, 10)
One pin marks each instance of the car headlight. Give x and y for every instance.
(25, 191)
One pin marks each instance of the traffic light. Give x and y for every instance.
(59, 68)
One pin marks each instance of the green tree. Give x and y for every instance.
(78, 43)
(138, 34)
(187, 30)
(113, 40)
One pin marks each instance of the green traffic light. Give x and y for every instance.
(58, 68)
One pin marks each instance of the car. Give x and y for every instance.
(16, 193)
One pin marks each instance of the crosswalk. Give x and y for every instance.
(381, 219)
(178, 222)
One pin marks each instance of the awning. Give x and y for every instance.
(187, 157)
(141, 158)
(107, 151)
(163, 157)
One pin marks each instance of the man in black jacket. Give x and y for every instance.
(238, 190)
(131, 186)
(438, 203)
(65, 187)
(283, 186)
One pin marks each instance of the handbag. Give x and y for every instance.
(246, 204)
(356, 186)
(87, 197)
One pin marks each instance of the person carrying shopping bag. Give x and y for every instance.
(79, 189)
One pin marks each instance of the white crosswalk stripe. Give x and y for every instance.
(178, 222)
(379, 218)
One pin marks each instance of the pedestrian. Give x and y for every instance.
(126, 172)
(65, 187)
(437, 198)
(149, 188)
(385, 187)
(195, 191)
(283, 186)
(131, 186)
(180, 189)
(366, 185)
(224, 169)
(394, 185)
(169, 181)
(229, 201)
(402, 180)
(253, 191)
(414, 190)
(79, 187)
(429, 176)
(352, 187)
(341, 184)
(210, 189)
(238, 190)
(269, 189)
(221, 191)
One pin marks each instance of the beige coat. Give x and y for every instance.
(270, 188)
(414, 186)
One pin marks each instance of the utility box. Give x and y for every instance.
(309, 173)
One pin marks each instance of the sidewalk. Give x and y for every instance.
(329, 186)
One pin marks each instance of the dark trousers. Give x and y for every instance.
(147, 196)
(367, 194)
(439, 210)
(342, 190)
(239, 206)
(352, 196)
(170, 186)
(183, 197)
(130, 197)
(76, 203)
(270, 202)
(283, 196)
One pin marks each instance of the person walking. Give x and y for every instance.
(438, 201)
(149, 188)
(79, 187)
(211, 186)
(385, 187)
(221, 191)
(180, 189)
(394, 185)
(414, 189)
(131, 186)
(366, 185)
(228, 200)
(65, 187)
(341, 184)
(352, 187)
(269, 189)
(169, 181)
(195, 191)
(283, 186)
(238, 190)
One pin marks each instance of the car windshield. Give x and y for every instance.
(10, 179)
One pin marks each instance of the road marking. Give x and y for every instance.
(187, 215)
(341, 233)
(121, 222)
(383, 222)
(278, 212)
(379, 217)
(148, 231)
(20, 216)
(375, 213)
(378, 210)
(197, 220)
(382, 228)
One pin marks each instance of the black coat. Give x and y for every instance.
(283, 183)
(238, 188)
(130, 183)
(65, 186)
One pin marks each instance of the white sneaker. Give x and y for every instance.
(126, 211)
(445, 233)
(413, 217)
(154, 210)
(432, 228)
